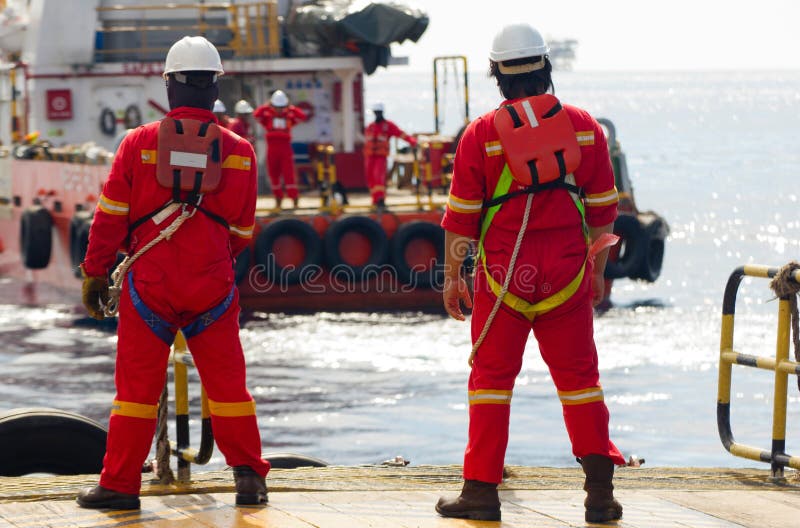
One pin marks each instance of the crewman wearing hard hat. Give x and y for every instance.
(241, 123)
(533, 184)
(186, 169)
(376, 151)
(278, 117)
(221, 113)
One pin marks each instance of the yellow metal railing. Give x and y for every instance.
(781, 365)
(254, 28)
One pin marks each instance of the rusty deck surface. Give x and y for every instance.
(382, 496)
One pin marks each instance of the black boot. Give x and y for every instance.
(251, 488)
(601, 506)
(478, 501)
(99, 497)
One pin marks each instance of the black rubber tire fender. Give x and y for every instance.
(79, 227)
(108, 122)
(634, 245)
(264, 250)
(650, 267)
(44, 440)
(372, 230)
(292, 460)
(406, 234)
(36, 237)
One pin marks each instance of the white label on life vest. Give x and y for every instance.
(278, 122)
(165, 213)
(526, 105)
(188, 159)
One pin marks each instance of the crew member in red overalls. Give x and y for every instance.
(221, 113)
(376, 150)
(184, 166)
(278, 117)
(241, 123)
(565, 193)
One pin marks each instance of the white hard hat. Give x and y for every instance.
(377, 107)
(517, 41)
(243, 107)
(279, 98)
(219, 107)
(193, 54)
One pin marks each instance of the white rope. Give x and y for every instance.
(111, 307)
(506, 282)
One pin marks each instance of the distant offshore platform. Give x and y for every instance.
(562, 53)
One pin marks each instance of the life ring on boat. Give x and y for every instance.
(108, 122)
(79, 227)
(133, 116)
(292, 461)
(307, 108)
(655, 231)
(44, 440)
(632, 246)
(417, 250)
(289, 251)
(36, 237)
(241, 265)
(354, 244)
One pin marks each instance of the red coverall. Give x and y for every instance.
(376, 150)
(179, 279)
(241, 127)
(552, 252)
(280, 157)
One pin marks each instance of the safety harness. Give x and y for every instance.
(189, 163)
(541, 152)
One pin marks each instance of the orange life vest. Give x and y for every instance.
(189, 157)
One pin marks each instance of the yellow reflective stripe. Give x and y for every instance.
(112, 207)
(531, 310)
(148, 156)
(598, 200)
(134, 410)
(585, 137)
(493, 148)
(460, 205)
(232, 409)
(579, 397)
(377, 188)
(237, 162)
(490, 396)
(244, 232)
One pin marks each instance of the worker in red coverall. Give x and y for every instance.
(376, 151)
(221, 113)
(184, 282)
(241, 123)
(278, 117)
(552, 289)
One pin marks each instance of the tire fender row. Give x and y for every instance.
(640, 253)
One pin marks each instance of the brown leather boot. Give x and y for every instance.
(251, 488)
(478, 501)
(601, 506)
(99, 497)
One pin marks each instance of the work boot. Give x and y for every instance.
(478, 501)
(99, 497)
(251, 488)
(601, 506)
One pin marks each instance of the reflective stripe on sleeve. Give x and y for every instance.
(134, 410)
(585, 137)
(579, 397)
(112, 207)
(460, 205)
(240, 231)
(148, 156)
(493, 148)
(236, 162)
(232, 409)
(490, 396)
(599, 200)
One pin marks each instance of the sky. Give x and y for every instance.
(621, 34)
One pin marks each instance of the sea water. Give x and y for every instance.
(715, 153)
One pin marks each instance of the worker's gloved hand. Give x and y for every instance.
(94, 295)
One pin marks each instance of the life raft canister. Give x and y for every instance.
(538, 140)
(188, 156)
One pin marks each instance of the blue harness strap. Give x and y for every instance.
(164, 330)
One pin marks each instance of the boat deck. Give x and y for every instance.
(382, 496)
